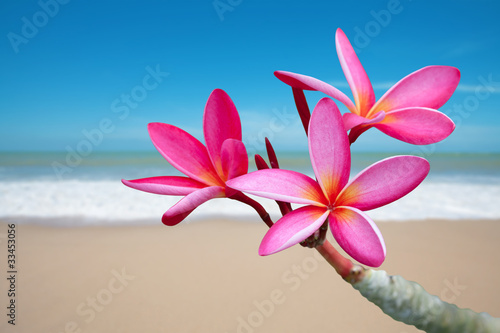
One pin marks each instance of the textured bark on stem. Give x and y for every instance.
(408, 302)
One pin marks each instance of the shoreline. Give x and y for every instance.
(91, 222)
(207, 277)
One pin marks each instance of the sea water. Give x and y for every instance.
(49, 188)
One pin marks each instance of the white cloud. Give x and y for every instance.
(473, 88)
(383, 85)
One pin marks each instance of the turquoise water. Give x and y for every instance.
(55, 185)
(111, 165)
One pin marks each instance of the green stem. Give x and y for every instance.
(408, 302)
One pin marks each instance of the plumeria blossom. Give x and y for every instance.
(407, 111)
(207, 168)
(333, 197)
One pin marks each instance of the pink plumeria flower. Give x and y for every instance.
(333, 196)
(407, 111)
(208, 168)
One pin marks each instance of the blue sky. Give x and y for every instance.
(67, 67)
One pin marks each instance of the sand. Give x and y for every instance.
(206, 276)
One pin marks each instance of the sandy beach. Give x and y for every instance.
(207, 277)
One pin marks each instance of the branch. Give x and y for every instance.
(408, 302)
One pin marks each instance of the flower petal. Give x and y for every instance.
(352, 120)
(384, 182)
(329, 148)
(282, 185)
(292, 229)
(309, 83)
(429, 87)
(167, 185)
(234, 159)
(358, 235)
(361, 88)
(184, 152)
(220, 122)
(186, 205)
(419, 126)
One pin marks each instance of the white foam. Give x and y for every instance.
(110, 202)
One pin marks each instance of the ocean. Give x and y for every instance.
(71, 190)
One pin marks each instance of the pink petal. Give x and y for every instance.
(357, 235)
(220, 122)
(282, 185)
(167, 185)
(384, 182)
(293, 228)
(184, 152)
(361, 88)
(234, 159)
(352, 120)
(309, 83)
(429, 87)
(329, 148)
(419, 126)
(186, 205)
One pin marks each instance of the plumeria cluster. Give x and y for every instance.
(407, 112)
